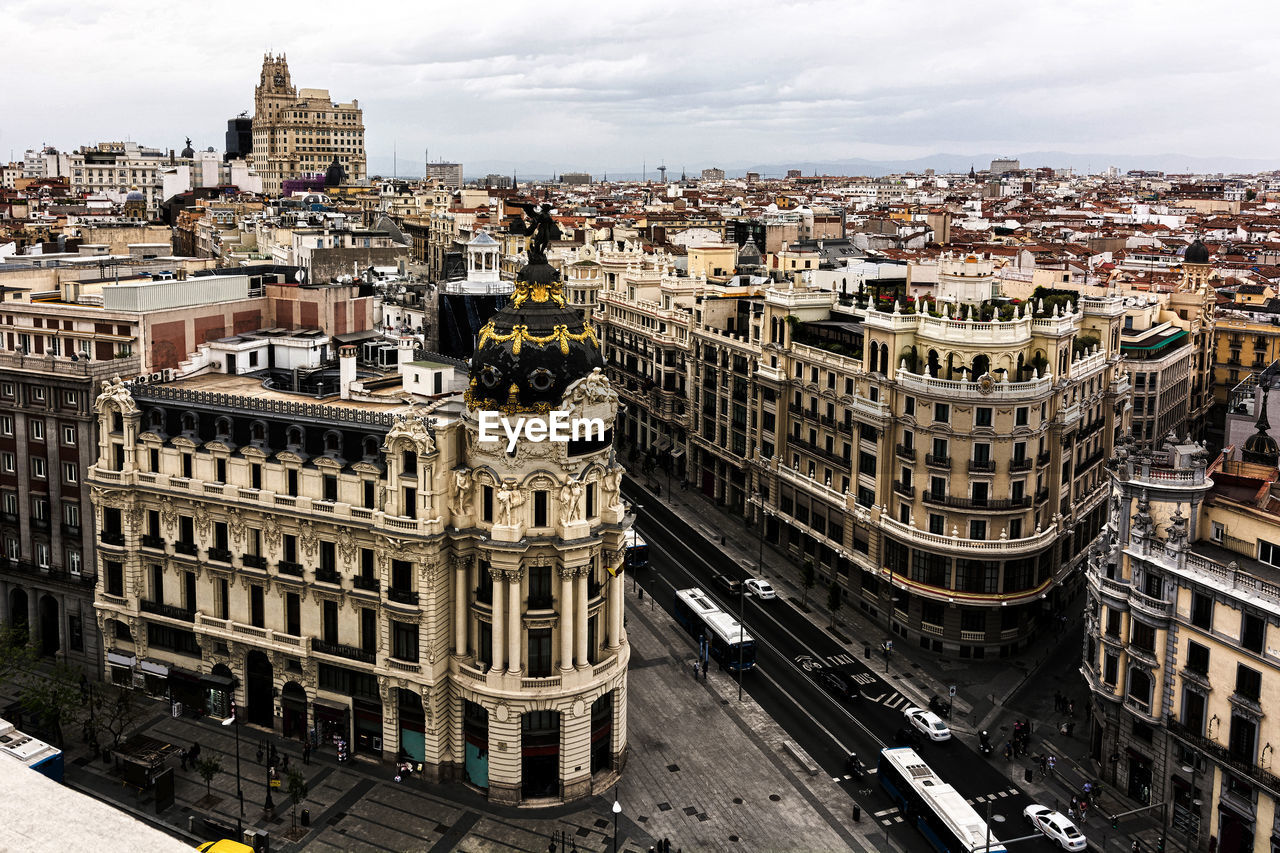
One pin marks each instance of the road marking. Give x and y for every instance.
(676, 564)
(838, 660)
(892, 703)
(877, 699)
(865, 678)
(884, 812)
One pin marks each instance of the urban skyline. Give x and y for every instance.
(610, 91)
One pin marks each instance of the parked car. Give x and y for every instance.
(907, 736)
(837, 683)
(928, 724)
(1056, 826)
(730, 585)
(760, 589)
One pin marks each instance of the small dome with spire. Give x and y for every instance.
(1261, 448)
(1197, 253)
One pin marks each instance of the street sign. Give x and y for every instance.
(952, 691)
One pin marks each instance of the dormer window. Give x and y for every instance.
(293, 438)
(189, 423)
(258, 432)
(222, 427)
(332, 441)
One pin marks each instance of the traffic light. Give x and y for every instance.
(1160, 845)
(1115, 823)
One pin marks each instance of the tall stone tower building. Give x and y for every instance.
(549, 538)
(299, 133)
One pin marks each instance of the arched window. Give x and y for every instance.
(332, 441)
(371, 447)
(873, 357)
(189, 422)
(293, 438)
(222, 427)
(884, 358)
(258, 432)
(155, 419)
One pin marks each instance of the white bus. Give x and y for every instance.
(935, 808)
(731, 645)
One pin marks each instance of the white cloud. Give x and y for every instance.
(596, 86)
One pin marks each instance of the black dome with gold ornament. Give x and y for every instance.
(535, 348)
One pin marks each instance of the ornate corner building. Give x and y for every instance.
(360, 571)
(1180, 644)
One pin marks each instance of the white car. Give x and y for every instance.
(1053, 824)
(760, 589)
(928, 723)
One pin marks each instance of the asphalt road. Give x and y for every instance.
(790, 650)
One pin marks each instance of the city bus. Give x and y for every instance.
(637, 554)
(730, 642)
(935, 808)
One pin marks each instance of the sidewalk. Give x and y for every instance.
(704, 770)
(990, 695)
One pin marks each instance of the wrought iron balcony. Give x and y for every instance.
(369, 584)
(111, 538)
(222, 555)
(168, 610)
(254, 561)
(342, 650)
(982, 466)
(149, 541)
(905, 452)
(1221, 753)
(328, 576)
(289, 567)
(188, 548)
(402, 596)
(936, 461)
(903, 489)
(1023, 464)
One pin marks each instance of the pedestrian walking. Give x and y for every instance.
(1071, 708)
(193, 755)
(182, 756)
(1057, 700)
(306, 752)
(704, 669)
(1071, 814)
(260, 753)
(284, 762)
(1052, 763)
(695, 669)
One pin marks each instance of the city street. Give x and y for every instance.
(790, 650)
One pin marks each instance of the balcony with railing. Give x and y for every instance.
(936, 461)
(1223, 754)
(908, 453)
(324, 575)
(402, 596)
(111, 537)
(959, 544)
(366, 584)
(182, 614)
(289, 567)
(982, 504)
(254, 561)
(342, 650)
(982, 466)
(148, 541)
(188, 548)
(221, 555)
(903, 489)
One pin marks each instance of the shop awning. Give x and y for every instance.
(118, 659)
(332, 703)
(154, 668)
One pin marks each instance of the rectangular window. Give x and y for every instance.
(224, 598)
(540, 588)
(977, 529)
(38, 468)
(220, 470)
(186, 465)
(70, 472)
(368, 630)
(404, 641)
(291, 482)
(1202, 610)
(982, 416)
(256, 615)
(1253, 629)
(115, 577)
(1021, 416)
(942, 413)
(292, 615)
(1197, 657)
(69, 436)
(486, 505)
(909, 406)
(540, 508)
(329, 622)
(1143, 636)
(539, 652)
(1248, 682)
(37, 429)
(937, 524)
(6, 425)
(368, 489)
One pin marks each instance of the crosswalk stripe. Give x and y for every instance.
(884, 812)
(892, 702)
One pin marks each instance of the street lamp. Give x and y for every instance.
(617, 810)
(990, 817)
(234, 720)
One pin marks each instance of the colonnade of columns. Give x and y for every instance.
(507, 630)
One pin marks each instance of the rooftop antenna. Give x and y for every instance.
(644, 171)
(663, 170)
(393, 158)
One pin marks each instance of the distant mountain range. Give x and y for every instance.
(941, 163)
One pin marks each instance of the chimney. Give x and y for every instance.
(346, 369)
(404, 354)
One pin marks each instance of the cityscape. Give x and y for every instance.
(379, 476)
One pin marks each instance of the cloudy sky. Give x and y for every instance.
(607, 86)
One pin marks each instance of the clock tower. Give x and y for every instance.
(300, 133)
